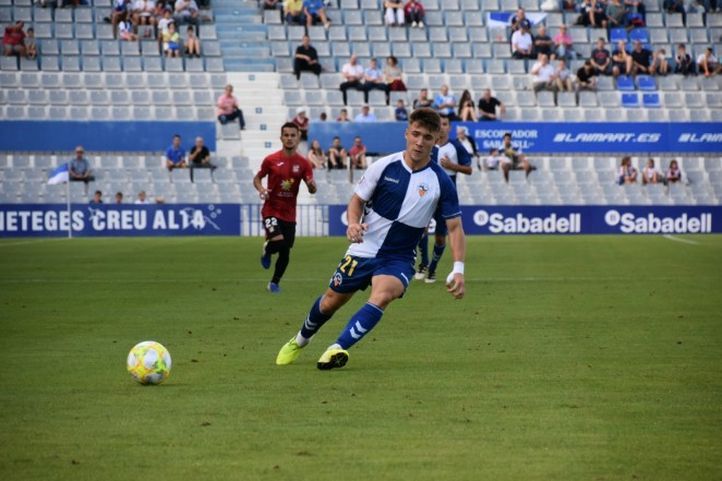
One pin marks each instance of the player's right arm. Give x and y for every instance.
(354, 211)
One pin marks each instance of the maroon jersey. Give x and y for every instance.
(284, 178)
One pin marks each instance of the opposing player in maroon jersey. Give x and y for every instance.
(285, 170)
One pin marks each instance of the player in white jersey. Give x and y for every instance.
(454, 158)
(388, 212)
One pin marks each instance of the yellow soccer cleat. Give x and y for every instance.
(289, 352)
(332, 358)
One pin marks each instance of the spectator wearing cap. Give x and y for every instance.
(365, 115)
(302, 122)
(306, 58)
(79, 168)
(374, 80)
(227, 108)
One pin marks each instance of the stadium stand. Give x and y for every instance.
(83, 73)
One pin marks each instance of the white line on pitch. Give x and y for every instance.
(679, 239)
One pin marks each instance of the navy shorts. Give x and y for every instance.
(355, 273)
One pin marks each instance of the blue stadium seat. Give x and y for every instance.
(641, 34)
(618, 35)
(630, 99)
(651, 100)
(625, 83)
(645, 82)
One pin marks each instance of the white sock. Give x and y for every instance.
(334, 346)
(300, 340)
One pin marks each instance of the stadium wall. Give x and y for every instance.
(83, 220)
(101, 136)
(603, 138)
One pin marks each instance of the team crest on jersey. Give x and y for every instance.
(337, 279)
(296, 168)
(422, 189)
(287, 184)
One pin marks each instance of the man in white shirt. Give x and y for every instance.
(521, 43)
(142, 199)
(543, 74)
(353, 75)
(365, 115)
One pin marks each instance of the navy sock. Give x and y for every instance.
(438, 252)
(314, 320)
(424, 249)
(360, 324)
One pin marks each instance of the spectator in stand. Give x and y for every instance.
(660, 64)
(627, 173)
(301, 122)
(322, 117)
(641, 59)
(293, 12)
(616, 14)
(637, 12)
(488, 105)
(125, 31)
(468, 144)
(171, 42)
(192, 43)
(414, 13)
(586, 12)
(366, 115)
(585, 77)
(650, 174)
(306, 58)
(393, 75)
(31, 48)
(423, 99)
(493, 160)
(186, 11)
(445, 103)
(598, 15)
(400, 112)
(563, 77)
(683, 63)
(708, 63)
(601, 59)
(142, 199)
(97, 198)
(119, 13)
(353, 75)
(675, 6)
(519, 21)
(343, 116)
(467, 111)
(543, 76)
(394, 13)
(622, 62)
(543, 43)
(674, 174)
(79, 168)
(227, 108)
(357, 154)
(374, 80)
(200, 158)
(271, 4)
(315, 11)
(175, 155)
(337, 155)
(316, 156)
(522, 44)
(142, 14)
(165, 21)
(513, 158)
(564, 45)
(118, 197)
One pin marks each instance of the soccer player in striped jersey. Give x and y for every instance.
(454, 158)
(391, 206)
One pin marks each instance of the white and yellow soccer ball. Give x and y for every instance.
(149, 362)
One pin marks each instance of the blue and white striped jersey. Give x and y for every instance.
(399, 206)
(456, 153)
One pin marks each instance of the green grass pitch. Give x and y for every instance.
(571, 358)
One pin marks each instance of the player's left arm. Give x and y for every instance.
(308, 178)
(464, 158)
(457, 241)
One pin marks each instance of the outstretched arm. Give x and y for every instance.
(457, 241)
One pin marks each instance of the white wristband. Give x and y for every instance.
(458, 268)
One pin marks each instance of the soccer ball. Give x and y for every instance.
(149, 362)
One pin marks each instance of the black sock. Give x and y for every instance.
(281, 264)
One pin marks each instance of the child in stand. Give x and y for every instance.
(31, 49)
(171, 42)
(193, 43)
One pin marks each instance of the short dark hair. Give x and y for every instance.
(176, 135)
(426, 117)
(507, 134)
(97, 192)
(289, 125)
(119, 194)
